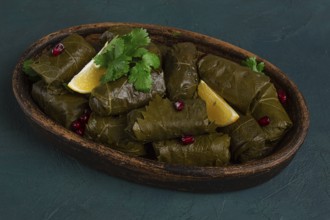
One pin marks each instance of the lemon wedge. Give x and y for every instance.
(218, 110)
(88, 78)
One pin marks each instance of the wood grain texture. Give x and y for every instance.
(196, 179)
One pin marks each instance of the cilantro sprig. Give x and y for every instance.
(127, 56)
(252, 63)
(33, 76)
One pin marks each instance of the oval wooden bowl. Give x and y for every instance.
(140, 170)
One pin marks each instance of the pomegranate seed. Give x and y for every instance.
(76, 125)
(58, 49)
(264, 121)
(84, 118)
(282, 96)
(179, 105)
(187, 139)
(79, 132)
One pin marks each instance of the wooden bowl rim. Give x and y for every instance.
(154, 167)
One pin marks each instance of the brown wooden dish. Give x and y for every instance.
(153, 173)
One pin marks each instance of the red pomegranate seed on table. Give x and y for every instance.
(179, 105)
(58, 49)
(264, 121)
(187, 139)
(282, 96)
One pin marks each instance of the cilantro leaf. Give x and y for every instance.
(116, 69)
(252, 63)
(127, 55)
(102, 59)
(119, 47)
(33, 76)
(151, 59)
(140, 52)
(140, 74)
(110, 52)
(140, 77)
(109, 46)
(137, 38)
(260, 67)
(107, 77)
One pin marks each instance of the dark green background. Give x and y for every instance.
(39, 182)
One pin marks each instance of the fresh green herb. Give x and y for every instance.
(127, 55)
(252, 63)
(33, 76)
(140, 73)
(176, 33)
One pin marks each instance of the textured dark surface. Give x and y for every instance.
(39, 182)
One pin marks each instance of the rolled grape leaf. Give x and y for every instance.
(163, 49)
(248, 140)
(159, 120)
(119, 96)
(95, 41)
(207, 150)
(181, 75)
(110, 131)
(60, 69)
(58, 103)
(114, 31)
(238, 85)
(267, 104)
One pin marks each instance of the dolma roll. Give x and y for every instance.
(119, 96)
(61, 68)
(58, 103)
(160, 120)
(110, 131)
(114, 31)
(267, 104)
(248, 140)
(207, 150)
(238, 85)
(181, 75)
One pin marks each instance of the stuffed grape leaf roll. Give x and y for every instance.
(114, 31)
(207, 150)
(61, 68)
(159, 120)
(111, 132)
(267, 104)
(248, 140)
(119, 96)
(58, 103)
(238, 85)
(181, 75)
